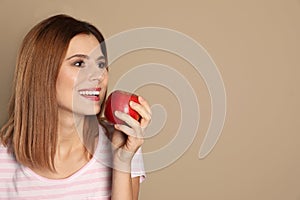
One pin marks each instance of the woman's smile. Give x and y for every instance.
(92, 94)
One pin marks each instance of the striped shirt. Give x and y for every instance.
(93, 181)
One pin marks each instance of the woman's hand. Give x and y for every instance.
(127, 139)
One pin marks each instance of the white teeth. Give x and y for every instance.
(90, 93)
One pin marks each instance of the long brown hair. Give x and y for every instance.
(31, 130)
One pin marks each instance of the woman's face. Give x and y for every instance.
(82, 79)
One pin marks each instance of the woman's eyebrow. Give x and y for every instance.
(85, 57)
(100, 58)
(79, 55)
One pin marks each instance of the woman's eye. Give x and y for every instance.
(101, 65)
(79, 63)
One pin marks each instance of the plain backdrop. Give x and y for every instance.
(255, 45)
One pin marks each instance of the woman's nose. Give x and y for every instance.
(97, 73)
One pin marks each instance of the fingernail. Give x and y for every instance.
(141, 98)
(117, 112)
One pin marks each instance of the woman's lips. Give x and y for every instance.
(90, 93)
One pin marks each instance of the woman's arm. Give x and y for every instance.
(125, 187)
(126, 140)
(135, 187)
(121, 186)
(119, 179)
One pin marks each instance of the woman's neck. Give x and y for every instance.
(70, 128)
(70, 153)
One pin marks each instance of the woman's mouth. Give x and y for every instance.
(91, 93)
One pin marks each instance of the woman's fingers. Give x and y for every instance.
(126, 129)
(145, 104)
(130, 132)
(143, 109)
(135, 137)
(127, 119)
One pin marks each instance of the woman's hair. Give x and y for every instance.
(31, 130)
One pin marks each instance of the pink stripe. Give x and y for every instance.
(71, 193)
(83, 182)
(7, 170)
(8, 161)
(20, 179)
(3, 150)
(102, 169)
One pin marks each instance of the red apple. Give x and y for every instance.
(119, 101)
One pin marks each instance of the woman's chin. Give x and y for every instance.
(88, 111)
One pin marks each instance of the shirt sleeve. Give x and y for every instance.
(137, 166)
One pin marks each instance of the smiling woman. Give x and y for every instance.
(53, 140)
(82, 80)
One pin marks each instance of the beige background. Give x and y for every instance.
(255, 45)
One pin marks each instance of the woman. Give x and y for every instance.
(52, 146)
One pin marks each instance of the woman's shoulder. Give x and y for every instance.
(7, 159)
(3, 149)
(5, 153)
